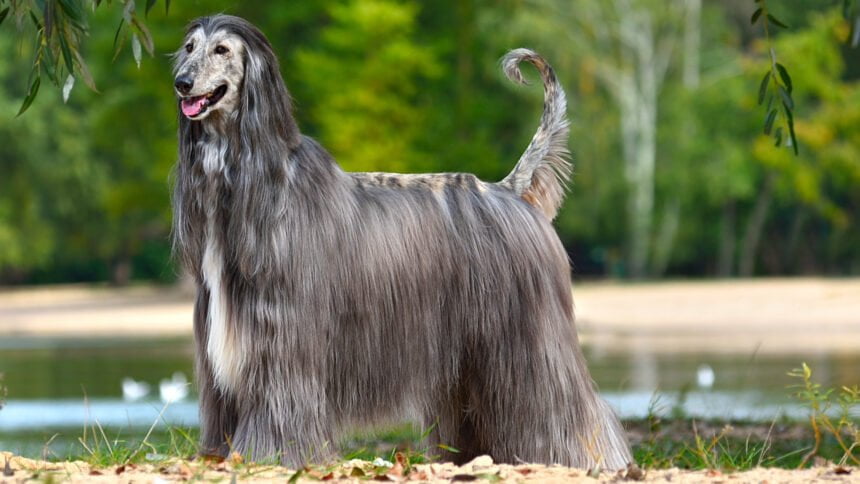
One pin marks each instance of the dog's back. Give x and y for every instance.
(452, 305)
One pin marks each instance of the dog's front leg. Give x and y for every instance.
(285, 422)
(217, 412)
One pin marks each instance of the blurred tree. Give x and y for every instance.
(818, 189)
(365, 74)
(59, 27)
(630, 45)
(414, 86)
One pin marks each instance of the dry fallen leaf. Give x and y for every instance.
(211, 458)
(398, 468)
(236, 458)
(419, 476)
(463, 478)
(634, 473)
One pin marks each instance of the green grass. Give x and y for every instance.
(681, 443)
(830, 434)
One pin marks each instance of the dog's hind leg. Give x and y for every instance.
(541, 406)
(217, 413)
(453, 436)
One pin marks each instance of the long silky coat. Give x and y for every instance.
(329, 299)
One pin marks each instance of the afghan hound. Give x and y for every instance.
(328, 300)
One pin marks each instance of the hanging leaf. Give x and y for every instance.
(755, 15)
(118, 48)
(84, 71)
(149, 5)
(67, 87)
(35, 21)
(776, 21)
(762, 89)
(790, 117)
(783, 74)
(49, 64)
(67, 53)
(145, 35)
(31, 95)
(166, 7)
(768, 121)
(48, 18)
(786, 98)
(74, 10)
(3, 14)
(128, 11)
(135, 49)
(118, 30)
(778, 136)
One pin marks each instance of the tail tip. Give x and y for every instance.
(511, 63)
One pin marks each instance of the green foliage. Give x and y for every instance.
(776, 84)
(842, 426)
(412, 86)
(59, 28)
(366, 72)
(100, 450)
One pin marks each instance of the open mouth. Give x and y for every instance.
(197, 105)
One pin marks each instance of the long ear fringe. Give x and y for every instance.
(263, 136)
(188, 216)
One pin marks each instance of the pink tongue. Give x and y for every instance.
(191, 107)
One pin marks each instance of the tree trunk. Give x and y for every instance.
(666, 237)
(726, 258)
(670, 220)
(754, 229)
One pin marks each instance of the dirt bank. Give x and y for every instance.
(737, 316)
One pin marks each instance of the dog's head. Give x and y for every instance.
(219, 58)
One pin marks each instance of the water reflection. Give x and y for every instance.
(50, 380)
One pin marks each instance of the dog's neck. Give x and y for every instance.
(213, 145)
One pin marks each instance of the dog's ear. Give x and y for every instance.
(265, 105)
(265, 136)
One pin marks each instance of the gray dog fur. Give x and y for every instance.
(329, 300)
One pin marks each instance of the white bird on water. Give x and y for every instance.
(174, 389)
(133, 390)
(705, 376)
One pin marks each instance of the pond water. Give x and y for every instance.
(56, 387)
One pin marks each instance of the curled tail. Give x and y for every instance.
(543, 170)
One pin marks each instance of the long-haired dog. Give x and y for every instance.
(329, 299)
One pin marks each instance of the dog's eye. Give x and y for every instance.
(189, 47)
(221, 50)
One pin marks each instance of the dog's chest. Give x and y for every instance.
(223, 339)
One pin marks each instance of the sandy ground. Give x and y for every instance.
(736, 316)
(481, 469)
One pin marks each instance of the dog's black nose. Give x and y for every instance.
(184, 84)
